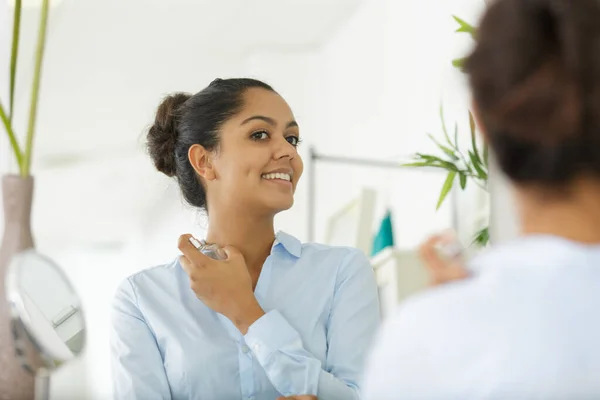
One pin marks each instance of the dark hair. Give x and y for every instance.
(535, 77)
(183, 120)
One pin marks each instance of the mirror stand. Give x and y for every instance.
(48, 325)
(42, 384)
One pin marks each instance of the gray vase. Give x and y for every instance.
(17, 194)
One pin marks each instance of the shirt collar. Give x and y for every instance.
(292, 245)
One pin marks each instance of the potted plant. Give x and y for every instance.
(461, 167)
(17, 193)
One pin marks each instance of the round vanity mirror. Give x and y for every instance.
(47, 321)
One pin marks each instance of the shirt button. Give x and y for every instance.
(245, 349)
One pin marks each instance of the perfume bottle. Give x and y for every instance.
(211, 250)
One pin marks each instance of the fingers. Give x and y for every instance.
(190, 251)
(441, 270)
(452, 273)
(197, 258)
(231, 252)
(429, 254)
(186, 264)
(184, 244)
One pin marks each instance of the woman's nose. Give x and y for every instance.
(283, 148)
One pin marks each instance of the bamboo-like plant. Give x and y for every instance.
(24, 156)
(463, 27)
(469, 166)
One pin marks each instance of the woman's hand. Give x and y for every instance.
(442, 269)
(224, 286)
(302, 397)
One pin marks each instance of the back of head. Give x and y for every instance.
(183, 120)
(535, 77)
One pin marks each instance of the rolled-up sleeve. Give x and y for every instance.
(352, 324)
(137, 367)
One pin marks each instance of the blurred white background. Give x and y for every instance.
(365, 79)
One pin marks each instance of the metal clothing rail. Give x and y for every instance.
(315, 157)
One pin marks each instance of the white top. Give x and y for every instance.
(525, 326)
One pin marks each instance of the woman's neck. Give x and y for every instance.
(252, 236)
(574, 216)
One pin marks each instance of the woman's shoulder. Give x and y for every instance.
(319, 254)
(160, 277)
(325, 250)
(298, 248)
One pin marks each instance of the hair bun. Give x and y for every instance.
(162, 136)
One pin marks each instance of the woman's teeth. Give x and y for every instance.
(278, 175)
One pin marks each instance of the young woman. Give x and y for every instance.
(277, 317)
(525, 325)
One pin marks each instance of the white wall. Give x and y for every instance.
(504, 219)
(384, 75)
(373, 111)
(356, 96)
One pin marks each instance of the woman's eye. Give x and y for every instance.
(260, 135)
(293, 140)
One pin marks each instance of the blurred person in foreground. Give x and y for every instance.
(519, 321)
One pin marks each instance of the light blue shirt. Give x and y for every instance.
(526, 326)
(321, 314)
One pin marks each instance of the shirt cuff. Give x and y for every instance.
(268, 334)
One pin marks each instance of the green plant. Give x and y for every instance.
(464, 167)
(460, 166)
(463, 27)
(23, 157)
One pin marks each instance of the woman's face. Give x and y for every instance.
(257, 165)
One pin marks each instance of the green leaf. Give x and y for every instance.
(432, 162)
(485, 155)
(444, 125)
(463, 180)
(456, 136)
(13, 57)
(465, 27)
(437, 161)
(476, 164)
(468, 165)
(427, 157)
(450, 166)
(446, 188)
(482, 237)
(419, 164)
(35, 90)
(474, 136)
(449, 152)
(11, 135)
(459, 63)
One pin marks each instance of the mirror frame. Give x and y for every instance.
(18, 310)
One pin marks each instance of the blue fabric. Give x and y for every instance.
(321, 315)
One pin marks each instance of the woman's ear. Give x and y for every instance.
(200, 159)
